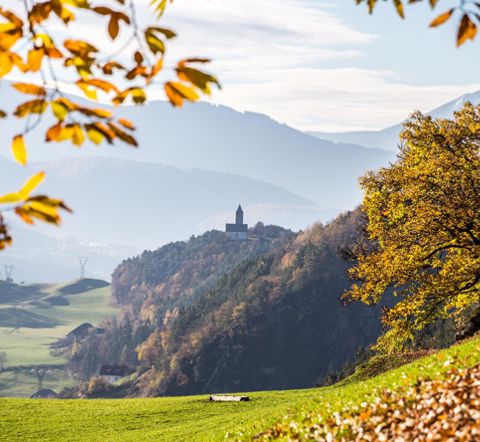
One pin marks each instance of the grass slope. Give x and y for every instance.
(28, 327)
(194, 418)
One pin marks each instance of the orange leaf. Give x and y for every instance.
(442, 18)
(126, 123)
(466, 31)
(29, 88)
(113, 27)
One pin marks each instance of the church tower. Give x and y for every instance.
(239, 215)
(237, 231)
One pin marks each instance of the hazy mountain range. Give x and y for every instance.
(193, 168)
(388, 138)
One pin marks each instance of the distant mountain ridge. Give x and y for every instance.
(388, 138)
(192, 168)
(220, 139)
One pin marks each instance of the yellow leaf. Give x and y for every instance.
(43, 208)
(19, 150)
(6, 64)
(11, 198)
(399, 8)
(88, 90)
(94, 135)
(59, 110)
(177, 92)
(154, 43)
(5, 27)
(77, 137)
(35, 59)
(32, 183)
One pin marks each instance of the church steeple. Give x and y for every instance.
(237, 231)
(239, 215)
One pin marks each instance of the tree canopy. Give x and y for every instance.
(424, 222)
(30, 47)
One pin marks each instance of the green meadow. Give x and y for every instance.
(196, 419)
(32, 321)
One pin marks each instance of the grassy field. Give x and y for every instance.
(196, 419)
(27, 343)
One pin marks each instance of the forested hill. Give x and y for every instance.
(152, 287)
(178, 271)
(272, 323)
(211, 315)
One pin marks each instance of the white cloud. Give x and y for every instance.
(294, 60)
(275, 57)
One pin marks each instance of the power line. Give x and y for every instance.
(83, 264)
(8, 273)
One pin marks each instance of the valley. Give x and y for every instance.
(32, 317)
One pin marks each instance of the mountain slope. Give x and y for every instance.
(388, 138)
(220, 139)
(153, 286)
(214, 315)
(274, 323)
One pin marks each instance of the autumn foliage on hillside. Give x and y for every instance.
(217, 315)
(153, 288)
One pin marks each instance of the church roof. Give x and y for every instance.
(239, 208)
(237, 228)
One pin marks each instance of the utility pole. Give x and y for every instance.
(8, 273)
(83, 264)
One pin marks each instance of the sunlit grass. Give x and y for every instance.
(196, 419)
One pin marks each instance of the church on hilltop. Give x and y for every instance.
(237, 231)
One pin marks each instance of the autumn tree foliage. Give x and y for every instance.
(467, 11)
(424, 223)
(29, 47)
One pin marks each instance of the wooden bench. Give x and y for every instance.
(216, 398)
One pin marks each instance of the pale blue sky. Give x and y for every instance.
(319, 64)
(328, 65)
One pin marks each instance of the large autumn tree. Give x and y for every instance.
(31, 47)
(424, 223)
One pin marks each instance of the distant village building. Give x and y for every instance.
(83, 330)
(237, 231)
(113, 373)
(44, 393)
(80, 332)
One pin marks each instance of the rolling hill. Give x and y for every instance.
(34, 316)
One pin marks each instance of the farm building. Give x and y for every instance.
(113, 373)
